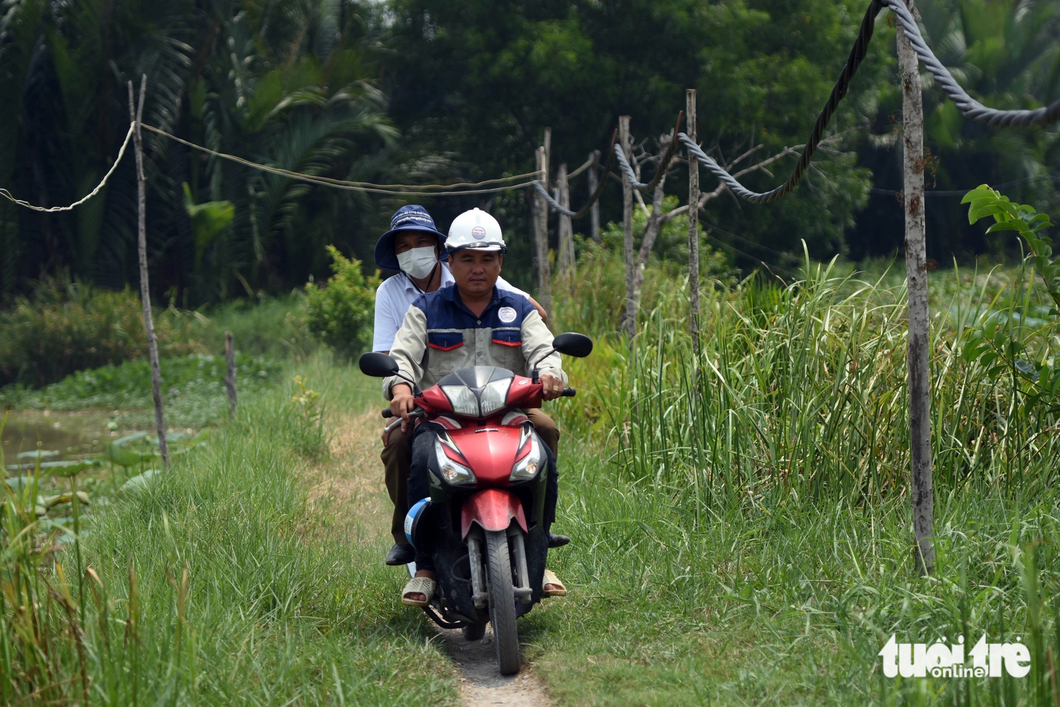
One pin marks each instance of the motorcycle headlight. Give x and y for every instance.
(462, 399)
(527, 467)
(453, 472)
(494, 396)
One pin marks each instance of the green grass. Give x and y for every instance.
(265, 333)
(746, 536)
(192, 388)
(272, 327)
(772, 605)
(219, 585)
(741, 524)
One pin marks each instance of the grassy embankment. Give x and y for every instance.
(741, 530)
(250, 574)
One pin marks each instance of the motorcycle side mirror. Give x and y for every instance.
(572, 344)
(378, 365)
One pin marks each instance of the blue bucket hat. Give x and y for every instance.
(408, 218)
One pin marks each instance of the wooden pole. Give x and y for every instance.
(594, 210)
(566, 231)
(544, 271)
(630, 321)
(230, 378)
(693, 223)
(916, 273)
(135, 114)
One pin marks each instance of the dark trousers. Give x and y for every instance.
(419, 482)
(397, 461)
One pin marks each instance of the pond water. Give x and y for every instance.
(68, 433)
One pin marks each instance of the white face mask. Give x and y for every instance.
(418, 262)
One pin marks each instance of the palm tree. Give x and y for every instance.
(1005, 53)
(283, 82)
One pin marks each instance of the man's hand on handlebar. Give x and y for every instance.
(551, 386)
(402, 403)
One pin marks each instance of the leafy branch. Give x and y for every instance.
(1026, 221)
(997, 347)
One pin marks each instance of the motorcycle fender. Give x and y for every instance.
(493, 509)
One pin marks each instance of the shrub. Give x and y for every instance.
(341, 313)
(69, 326)
(273, 327)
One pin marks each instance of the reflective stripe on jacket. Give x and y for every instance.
(441, 335)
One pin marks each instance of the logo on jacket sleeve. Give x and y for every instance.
(506, 315)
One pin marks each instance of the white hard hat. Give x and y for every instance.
(475, 229)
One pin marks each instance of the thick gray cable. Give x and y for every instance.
(631, 176)
(970, 108)
(593, 198)
(664, 164)
(556, 206)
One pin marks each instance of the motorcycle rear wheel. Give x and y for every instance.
(502, 603)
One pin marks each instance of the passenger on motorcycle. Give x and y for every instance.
(415, 248)
(470, 324)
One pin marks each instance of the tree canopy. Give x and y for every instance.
(422, 91)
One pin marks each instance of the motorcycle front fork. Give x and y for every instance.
(479, 592)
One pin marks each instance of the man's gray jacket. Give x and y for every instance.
(440, 335)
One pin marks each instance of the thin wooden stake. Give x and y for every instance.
(230, 378)
(566, 231)
(544, 270)
(136, 112)
(594, 210)
(693, 223)
(923, 494)
(629, 323)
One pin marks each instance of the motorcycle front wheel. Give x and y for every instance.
(502, 602)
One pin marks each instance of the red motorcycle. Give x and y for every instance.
(484, 523)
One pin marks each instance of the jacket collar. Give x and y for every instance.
(452, 294)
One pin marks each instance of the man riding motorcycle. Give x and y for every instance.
(472, 323)
(414, 247)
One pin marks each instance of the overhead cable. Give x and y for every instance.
(365, 187)
(664, 164)
(969, 107)
(55, 209)
(556, 206)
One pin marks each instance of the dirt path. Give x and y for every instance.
(481, 684)
(351, 484)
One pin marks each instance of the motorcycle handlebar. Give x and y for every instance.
(567, 393)
(418, 412)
